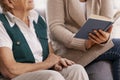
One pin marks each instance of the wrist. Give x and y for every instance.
(49, 64)
(89, 44)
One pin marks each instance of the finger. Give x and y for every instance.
(103, 33)
(63, 62)
(98, 34)
(58, 67)
(110, 29)
(106, 35)
(69, 62)
(94, 38)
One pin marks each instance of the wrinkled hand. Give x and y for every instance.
(53, 59)
(63, 63)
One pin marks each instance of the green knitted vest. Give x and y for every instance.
(20, 48)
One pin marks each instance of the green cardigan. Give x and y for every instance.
(20, 48)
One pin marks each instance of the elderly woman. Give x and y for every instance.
(25, 50)
(66, 17)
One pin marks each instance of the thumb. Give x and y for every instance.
(110, 29)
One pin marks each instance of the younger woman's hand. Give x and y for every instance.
(99, 36)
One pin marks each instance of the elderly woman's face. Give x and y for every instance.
(22, 4)
(10, 5)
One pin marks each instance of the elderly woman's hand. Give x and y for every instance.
(62, 64)
(52, 59)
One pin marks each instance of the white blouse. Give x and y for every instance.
(83, 7)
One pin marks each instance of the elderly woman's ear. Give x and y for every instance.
(9, 3)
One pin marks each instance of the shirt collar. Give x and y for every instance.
(33, 15)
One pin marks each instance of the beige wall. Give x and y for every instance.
(116, 28)
(116, 4)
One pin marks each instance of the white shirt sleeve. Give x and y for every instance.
(5, 40)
